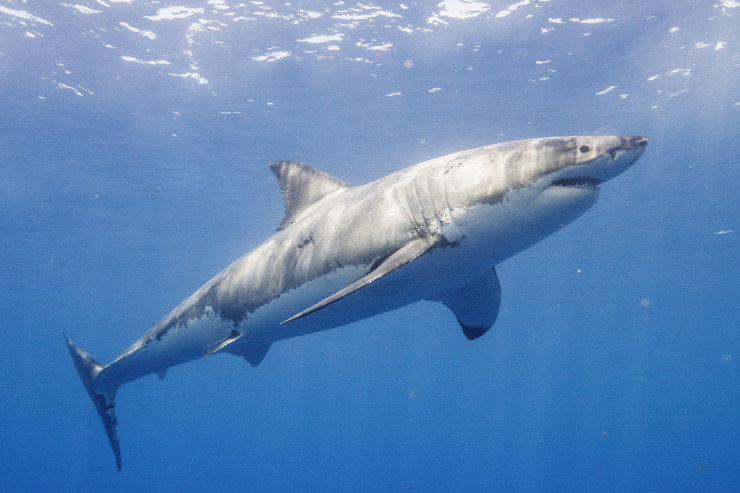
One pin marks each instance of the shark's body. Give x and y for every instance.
(433, 231)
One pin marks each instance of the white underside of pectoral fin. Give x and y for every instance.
(476, 304)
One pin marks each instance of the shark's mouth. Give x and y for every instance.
(577, 182)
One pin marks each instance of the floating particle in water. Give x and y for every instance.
(645, 302)
(726, 358)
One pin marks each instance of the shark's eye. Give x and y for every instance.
(583, 149)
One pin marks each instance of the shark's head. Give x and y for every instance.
(566, 172)
(534, 187)
(581, 162)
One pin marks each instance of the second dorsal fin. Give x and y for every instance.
(302, 186)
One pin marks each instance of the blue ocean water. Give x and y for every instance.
(134, 143)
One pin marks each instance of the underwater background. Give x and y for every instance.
(134, 143)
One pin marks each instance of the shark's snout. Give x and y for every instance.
(629, 144)
(636, 142)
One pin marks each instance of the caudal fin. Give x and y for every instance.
(105, 402)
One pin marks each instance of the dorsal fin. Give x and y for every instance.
(302, 186)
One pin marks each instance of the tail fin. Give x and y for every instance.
(104, 402)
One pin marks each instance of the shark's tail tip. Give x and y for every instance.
(105, 401)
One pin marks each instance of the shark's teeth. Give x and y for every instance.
(579, 181)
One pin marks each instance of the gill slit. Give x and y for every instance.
(403, 202)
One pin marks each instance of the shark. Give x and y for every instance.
(433, 231)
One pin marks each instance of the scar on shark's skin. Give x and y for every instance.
(434, 231)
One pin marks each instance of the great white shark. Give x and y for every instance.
(434, 231)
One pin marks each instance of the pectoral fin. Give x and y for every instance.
(476, 304)
(401, 257)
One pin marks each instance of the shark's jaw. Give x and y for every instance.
(578, 182)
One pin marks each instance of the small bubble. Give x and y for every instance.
(726, 358)
(645, 302)
(408, 63)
